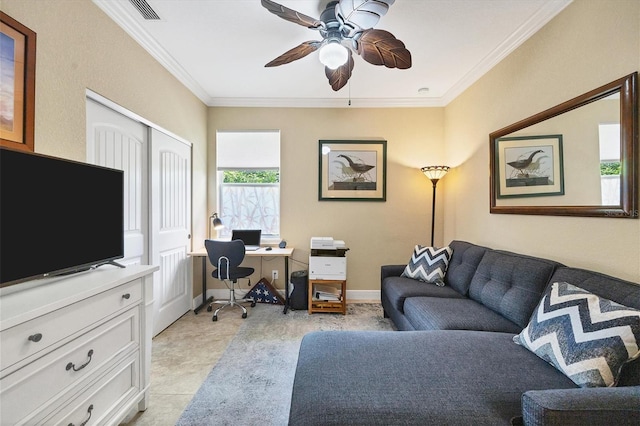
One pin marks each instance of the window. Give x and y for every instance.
(609, 137)
(248, 173)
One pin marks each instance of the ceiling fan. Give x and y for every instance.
(346, 26)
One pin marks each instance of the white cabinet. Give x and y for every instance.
(76, 348)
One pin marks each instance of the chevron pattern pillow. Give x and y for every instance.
(585, 336)
(428, 264)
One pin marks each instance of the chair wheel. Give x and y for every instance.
(253, 304)
(244, 315)
(209, 309)
(215, 318)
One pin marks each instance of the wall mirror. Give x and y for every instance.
(579, 158)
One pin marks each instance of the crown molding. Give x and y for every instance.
(117, 11)
(546, 13)
(325, 102)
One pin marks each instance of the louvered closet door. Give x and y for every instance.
(119, 142)
(170, 227)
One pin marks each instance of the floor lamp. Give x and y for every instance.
(434, 173)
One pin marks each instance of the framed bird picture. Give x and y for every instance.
(529, 166)
(352, 170)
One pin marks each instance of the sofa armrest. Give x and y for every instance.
(391, 271)
(585, 406)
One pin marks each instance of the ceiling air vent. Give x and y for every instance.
(145, 10)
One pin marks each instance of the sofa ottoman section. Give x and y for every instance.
(415, 378)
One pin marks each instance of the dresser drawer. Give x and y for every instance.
(48, 331)
(36, 386)
(106, 396)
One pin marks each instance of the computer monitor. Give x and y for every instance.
(250, 237)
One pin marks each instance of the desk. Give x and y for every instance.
(261, 252)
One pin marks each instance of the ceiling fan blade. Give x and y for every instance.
(360, 15)
(296, 53)
(379, 47)
(339, 77)
(291, 15)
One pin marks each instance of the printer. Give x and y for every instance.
(327, 260)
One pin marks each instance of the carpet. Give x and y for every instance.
(251, 383)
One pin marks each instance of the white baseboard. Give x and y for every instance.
(363, 295)
(352, 295)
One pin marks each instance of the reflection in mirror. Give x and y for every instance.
(609, 142)
(597, 160)
(580, 130)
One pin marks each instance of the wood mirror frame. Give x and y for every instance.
(629, 175)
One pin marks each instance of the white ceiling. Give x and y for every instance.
(218, 48)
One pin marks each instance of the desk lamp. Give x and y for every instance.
(434, 173)
(216, 222)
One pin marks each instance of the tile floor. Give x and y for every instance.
(182, 356)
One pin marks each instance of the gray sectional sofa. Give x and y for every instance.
(455, 361)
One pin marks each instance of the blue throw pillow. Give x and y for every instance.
(428, 264)
(585, 336)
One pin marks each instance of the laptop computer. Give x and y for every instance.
(250, 237)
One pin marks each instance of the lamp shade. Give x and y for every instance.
(435, 172)
(217, 223)
(333, 55)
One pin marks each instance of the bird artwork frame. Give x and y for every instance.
(529, 166)
(352, 170)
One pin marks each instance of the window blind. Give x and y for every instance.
(248, 150)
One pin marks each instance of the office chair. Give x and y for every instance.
(226, 257)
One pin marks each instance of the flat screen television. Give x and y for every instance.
(57, 216)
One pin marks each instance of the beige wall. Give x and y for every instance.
(79, 48)
(377, 233)
(591, 43)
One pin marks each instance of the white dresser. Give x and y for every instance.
(76, 350)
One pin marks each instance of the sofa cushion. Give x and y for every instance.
(587, 337)
(463, 264)
(511, 284)
(624, 292)
(415, 378)
(428, 264)
(430, 313)
(397, 289)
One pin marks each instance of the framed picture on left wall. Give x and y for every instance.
(17, 84)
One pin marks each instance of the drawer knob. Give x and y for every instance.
(89, 410)
(35, 337)
(126, 296)
(73, 366)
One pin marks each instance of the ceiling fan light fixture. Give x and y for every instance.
(346, 28)
(333, 55)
